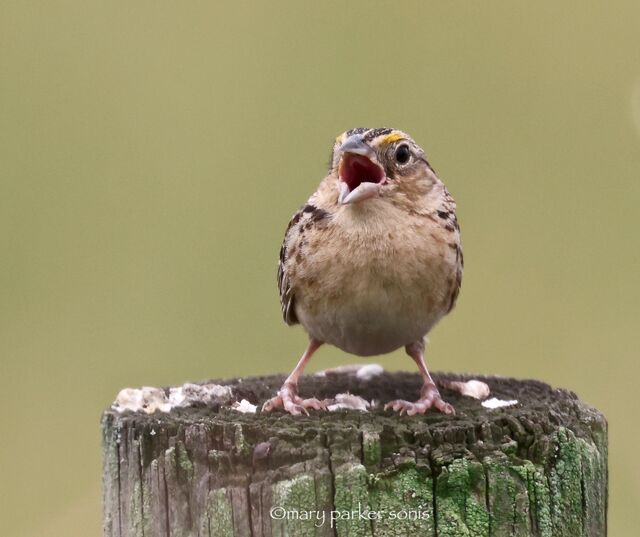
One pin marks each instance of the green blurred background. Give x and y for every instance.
(152, 153)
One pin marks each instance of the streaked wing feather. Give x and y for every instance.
(447, 215)
(308, 216)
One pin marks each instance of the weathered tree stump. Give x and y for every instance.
(535, 468)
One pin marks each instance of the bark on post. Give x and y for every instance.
(536, 468)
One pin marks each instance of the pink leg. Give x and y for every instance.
(429, 394)
(287, 398)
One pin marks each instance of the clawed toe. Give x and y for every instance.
(290, 402)
(272, 404)
(406, 407)
(313, 403)
(444, 407)
(297, 405)
(420, 406)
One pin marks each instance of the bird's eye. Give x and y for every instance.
(403, 154)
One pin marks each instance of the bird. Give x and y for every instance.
(372, 261)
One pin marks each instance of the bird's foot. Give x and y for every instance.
(429, 398)
(288, 400)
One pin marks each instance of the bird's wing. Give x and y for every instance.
(286, 293)
(306, 218)
(447, 214)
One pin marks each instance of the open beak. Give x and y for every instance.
(360, 175)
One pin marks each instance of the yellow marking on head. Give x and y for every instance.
(394, 137)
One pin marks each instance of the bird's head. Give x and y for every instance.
(374, 163)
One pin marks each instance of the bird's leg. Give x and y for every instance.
(429, 394)
(287, 398)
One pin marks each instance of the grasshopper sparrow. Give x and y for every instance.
(372, 261)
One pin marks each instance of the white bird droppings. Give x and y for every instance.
(348, 401)
(244, 406)
(367, 372)
(471, 388)
(361, 371)
(498, 403)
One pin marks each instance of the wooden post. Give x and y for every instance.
(537, 468)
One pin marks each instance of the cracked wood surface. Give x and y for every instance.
(538, 468)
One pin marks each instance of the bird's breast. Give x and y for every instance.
(370, 286)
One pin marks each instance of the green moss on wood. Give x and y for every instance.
(507, 498)
(324, 500)
(298, 513)
(594, 473)
(371, 448)
(539, 499)
(565, 483)
(404, 500)
(220, 514)
(460, 500)
(136, 512)
(110, 472)
(184, 462)
(240, 443)
(351, 496)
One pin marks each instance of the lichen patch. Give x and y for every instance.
(149, 399)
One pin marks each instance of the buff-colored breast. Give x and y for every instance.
(374, 279)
